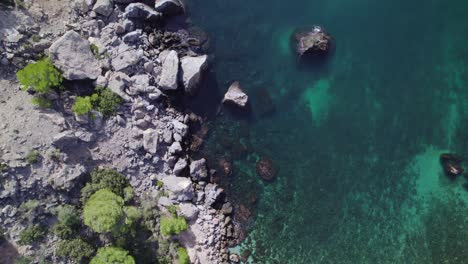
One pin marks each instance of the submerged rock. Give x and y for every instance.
(451, 164)
(265, 169)
(72, 55)
(312, 41)
(235, 95)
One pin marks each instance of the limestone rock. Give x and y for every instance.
(180, 128)
(72, 55)
(175, 148)
(150, 141)
(170, 69)
(180, 187)
(67, 178)
(141, 11)
(235, 95)
(103, 7)
(192, 69)
(198, 169)
(117, 83)
(212, 193)
(189, 211)
(180, 165)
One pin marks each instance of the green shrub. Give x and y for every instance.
(132, 215)
(94, 50)
(23, 260)
(32, 234)
(67, 214)
(29, 205)
(105, 179)
(82, 105)
(40, 76)
(159, 184)
(76, 249)
(3, 167)
(2, 235)
(129, 193)
(41, 101)
(182, 256)
(106, 101)
(172, 225)
(103, 211)
(33, 157)
(112, 255)
(63, 231)
(35, 38)
(172, 209)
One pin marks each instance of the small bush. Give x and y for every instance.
(2, 235)
(132, 215)
(35, 38)
(63, 231)
(159, 184)
(76, 249)
(94, 50)
(41, 76)
(172, 209)
(105, 179)
(32, 234)
(129, 193)
(3, 167)
(23, 260)
(82, 105)
(41, 102)
(103, 211)
(67, 214)
(112, 255)
(106, 101)
(33, 157)
(182, 256)
(173, 225)
(29, 205)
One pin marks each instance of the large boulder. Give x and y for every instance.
(103, 7)
(141, 11)
(170, 7)
(72, 55)
(198, 169)
(180, 187)
(67, 178)
(150, 140)
(192, 69)
(235, 95)
(170, 69)
(125, 1)
(312, 41)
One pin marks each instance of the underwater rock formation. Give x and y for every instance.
(265, 169)
(235, 95)
(312, 41)
(451, 164)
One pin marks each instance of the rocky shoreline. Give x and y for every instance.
(136, 56)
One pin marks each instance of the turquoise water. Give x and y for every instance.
(356, 140)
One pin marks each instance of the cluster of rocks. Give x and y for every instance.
(147, 140)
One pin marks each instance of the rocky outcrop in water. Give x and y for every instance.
(312, 41)
(451, 164)
(236, 96)
(266, 169)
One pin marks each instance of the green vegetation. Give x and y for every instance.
(105, 101)
(94, 50)
(82, 105)
(3, 167)
(172, 225)
(112, 255)
(68, 221)
(35, 38)
(29, 205)
(76, 249)
(159, 184)
(172, 210)
(105, 179)
(182, 256)
(40, 76)
(41, 101)
(32, 234)
(23, 260)
(132, 215)
(103, 211)
(2, 235)
(129, 193)
(33, 157)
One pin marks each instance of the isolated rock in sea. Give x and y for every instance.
(312, 41)
(170, 7)
(266, 169)
(180, 187)
(141, 11)
(235, 95)
(192, 70)
(451, 164)
(103, 7)
(198, 169)
(170, 69)
(72, 55)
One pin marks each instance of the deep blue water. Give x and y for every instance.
(356, 139)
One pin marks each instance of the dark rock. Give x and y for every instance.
(170, 7)
(451, 164)
(265, 169)
(141, 11)
(312, 41)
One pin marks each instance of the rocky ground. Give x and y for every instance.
(146, 55)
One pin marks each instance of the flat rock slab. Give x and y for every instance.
(170, 69)
(72, 55)
(192, 69)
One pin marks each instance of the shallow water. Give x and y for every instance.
(356, 139)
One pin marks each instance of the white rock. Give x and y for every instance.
(198, 169)
(170, 69)
(150, 141)
(192, 69)
(175, 148)
(180, 187)
(180, 165)
(189, 211)
(235, 95)
(72, 55)
(103, 7)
